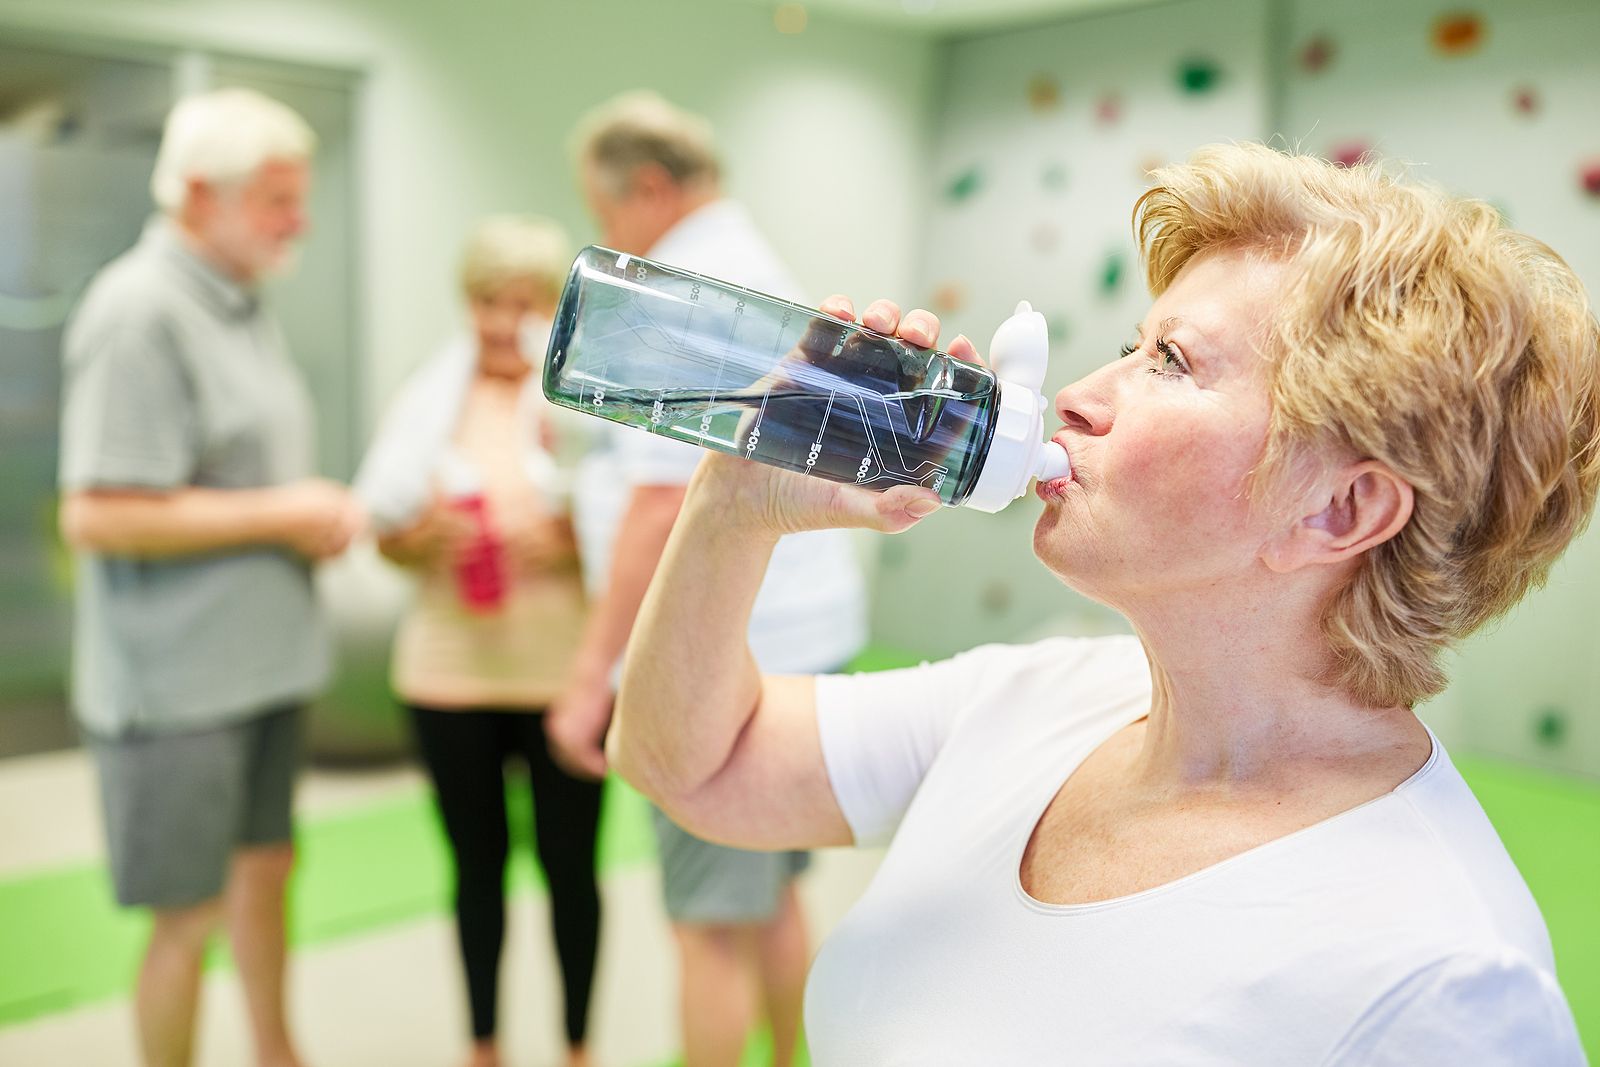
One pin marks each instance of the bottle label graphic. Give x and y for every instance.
(729, 369)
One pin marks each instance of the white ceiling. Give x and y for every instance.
(957, 16)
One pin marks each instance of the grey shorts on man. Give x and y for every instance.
(708, 883)
(177, 806)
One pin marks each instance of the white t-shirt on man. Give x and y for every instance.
(810, 614)
(1396, 934)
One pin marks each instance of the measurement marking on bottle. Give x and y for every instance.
(816, 446)
(755, 427)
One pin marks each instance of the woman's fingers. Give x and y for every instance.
(963, 348)
(839, 306)
(881, 315)
(890, 511)
(921, 328)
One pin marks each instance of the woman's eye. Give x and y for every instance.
(1128, 349)
(1168, 359)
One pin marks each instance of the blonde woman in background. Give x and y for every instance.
(465, 495)
(1358, 422)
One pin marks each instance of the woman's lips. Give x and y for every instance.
(1054, 487)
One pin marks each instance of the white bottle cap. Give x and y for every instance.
(1018, 452)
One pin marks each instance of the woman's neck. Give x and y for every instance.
(1237, 706)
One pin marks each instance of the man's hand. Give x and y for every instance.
(317, 518)
(575, 727)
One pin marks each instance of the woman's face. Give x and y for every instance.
(499, 318)
(1162, 441)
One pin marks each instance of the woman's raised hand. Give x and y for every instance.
(778, 502)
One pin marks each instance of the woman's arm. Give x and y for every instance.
(728, 753)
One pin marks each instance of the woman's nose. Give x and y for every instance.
(1085, 405)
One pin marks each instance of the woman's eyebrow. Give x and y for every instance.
(1167, 326)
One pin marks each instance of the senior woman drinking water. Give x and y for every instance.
(1358, 422)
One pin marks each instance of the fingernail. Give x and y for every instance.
(922, 506)
(875, 320)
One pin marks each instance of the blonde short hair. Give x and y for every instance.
(222, 137)
(641, 128)
(1417, 330)
(503, 248)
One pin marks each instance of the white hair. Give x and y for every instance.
(641, 127)
(505, 247)
(222, 137)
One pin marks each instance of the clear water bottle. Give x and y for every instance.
(714, 364)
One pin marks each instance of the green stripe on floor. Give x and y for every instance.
(67, 944)
(1551, 827)
(64, 943)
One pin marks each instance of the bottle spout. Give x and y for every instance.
(1052, 463)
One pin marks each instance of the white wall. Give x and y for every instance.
(1453, 119)
(468, 110)
(1053, 192)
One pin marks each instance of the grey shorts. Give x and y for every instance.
(707, 883)
(178, 805)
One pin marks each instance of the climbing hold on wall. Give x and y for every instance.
(1589, 177)
(1197, 75)
(949, 297)
(1111, 274)
(1057, 328)
(964, 185)
(1108, 109)
(1054, 177)
(1550, 726)
(1349, 153)
(1045, 237)
(1458, 33)
(1316, 54)
(1525, 100)
(1044, 92)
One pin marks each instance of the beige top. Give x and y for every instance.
(448, 656)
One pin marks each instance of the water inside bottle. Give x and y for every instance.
(876, 431)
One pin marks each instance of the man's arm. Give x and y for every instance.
(313, 517)
(576, 724)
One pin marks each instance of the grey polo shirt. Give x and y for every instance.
(175, 377)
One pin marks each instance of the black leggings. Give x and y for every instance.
(465, 752)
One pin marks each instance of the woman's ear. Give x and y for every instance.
(1356, 508)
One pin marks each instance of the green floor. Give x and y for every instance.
(64, 944)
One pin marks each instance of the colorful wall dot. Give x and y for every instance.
(1045, 237)
(1054, 177)
(964, 185)
(1044, 92)
(1316, 54)
(996, 598)
(1589, 177)
(1111, 270)
(1197, 75)
(1525, 100)
(1458, 33)
(949, 297)
(1058, 328)
(1349, 153)
(1108, 109)
(1149, 165)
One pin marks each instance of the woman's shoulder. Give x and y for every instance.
(1055, 679)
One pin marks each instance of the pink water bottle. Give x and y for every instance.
(480, 564)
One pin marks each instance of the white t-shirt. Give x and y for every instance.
(1397, 933)
(810, 614)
